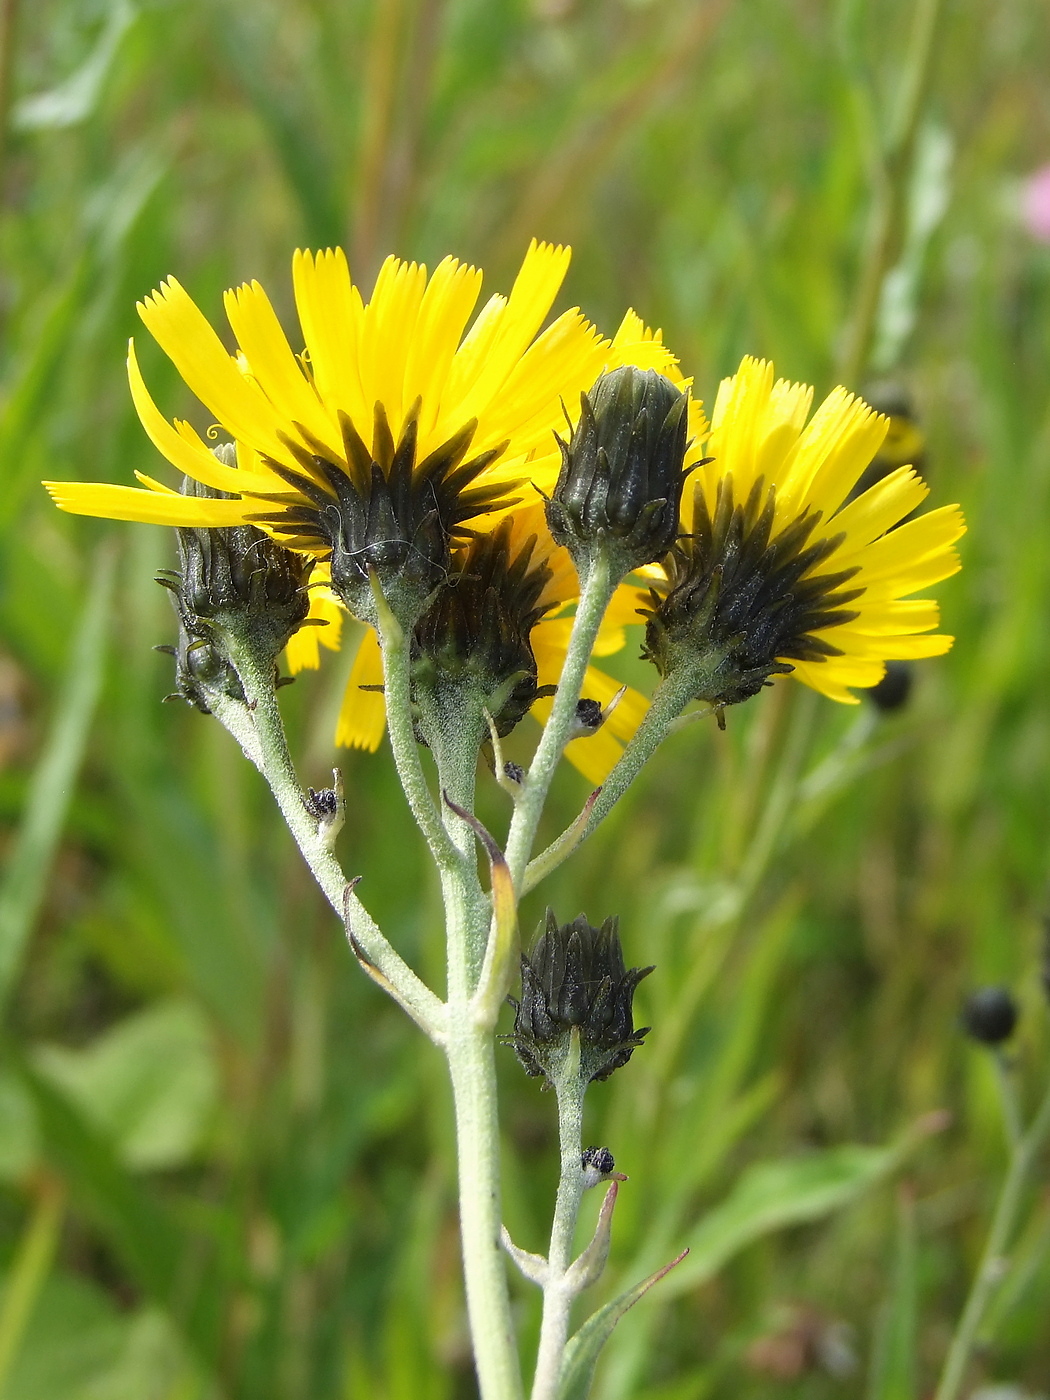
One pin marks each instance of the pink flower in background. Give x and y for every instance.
(1035, 204)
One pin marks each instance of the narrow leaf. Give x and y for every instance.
(581, 1353)
(773, 1195)
(24, 878)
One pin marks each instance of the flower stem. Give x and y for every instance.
(596, 591)
(259, 729)
(398, 698)
(557, 1295)
(472, 1066)
(991, 1269)
(671, 698)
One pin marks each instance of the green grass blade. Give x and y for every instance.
(51, 787)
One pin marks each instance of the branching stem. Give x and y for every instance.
(596, 590)
(260, 731)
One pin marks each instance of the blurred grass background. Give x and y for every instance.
(225, 1160)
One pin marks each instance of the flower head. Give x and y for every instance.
(623, 469)
(396, 426)
(778, 570)
(574, 978)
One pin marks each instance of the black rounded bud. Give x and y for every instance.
(989, 1015)
(893, 690)
(622, 472)
(238, 577)
(231, 582)
(574, 978)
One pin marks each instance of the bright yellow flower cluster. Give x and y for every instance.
(413, 352)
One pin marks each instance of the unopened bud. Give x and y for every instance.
(620, 485)
(989, 1015)
(574, 978)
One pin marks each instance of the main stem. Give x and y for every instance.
(990, 1271)
(471, 1059)
(596, 591)
(557, 1297)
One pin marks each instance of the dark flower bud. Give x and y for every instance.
(471, 650)
(381, 512)
(238, 577)
(893, 690)
(622, 472)
(230, 581)
(574, 978)
(989, 1015)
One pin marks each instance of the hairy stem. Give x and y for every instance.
(472, 1066)
(260, 731)
(557, 1295)
(671, 698)
(596, 591)
(398, 698)
(990, 1271)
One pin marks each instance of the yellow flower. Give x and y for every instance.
(779, 569)
(371, 373)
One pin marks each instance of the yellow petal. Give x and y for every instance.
(147, 507)
(186, 337)
(362, 718)
(274, 367)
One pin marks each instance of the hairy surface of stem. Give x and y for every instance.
(557, 1294)
(596, 591)
(259, 729)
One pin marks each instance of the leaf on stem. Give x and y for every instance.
(590, 1265)
(581, 1353)
(560, 849)
(498, 967)
(533, 1266)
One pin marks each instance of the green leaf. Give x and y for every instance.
(24, 877)
(150, 1083)
(19, 1133)
(581, 1353)
(137, 1227)
(773, 1195)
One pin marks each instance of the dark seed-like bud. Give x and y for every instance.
(620, 485)
(322, 803)
(471, 650)
(893, 690)
(574, 978)
(989, 1015)
(597, 1164)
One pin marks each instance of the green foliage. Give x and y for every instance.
(224, 1158)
